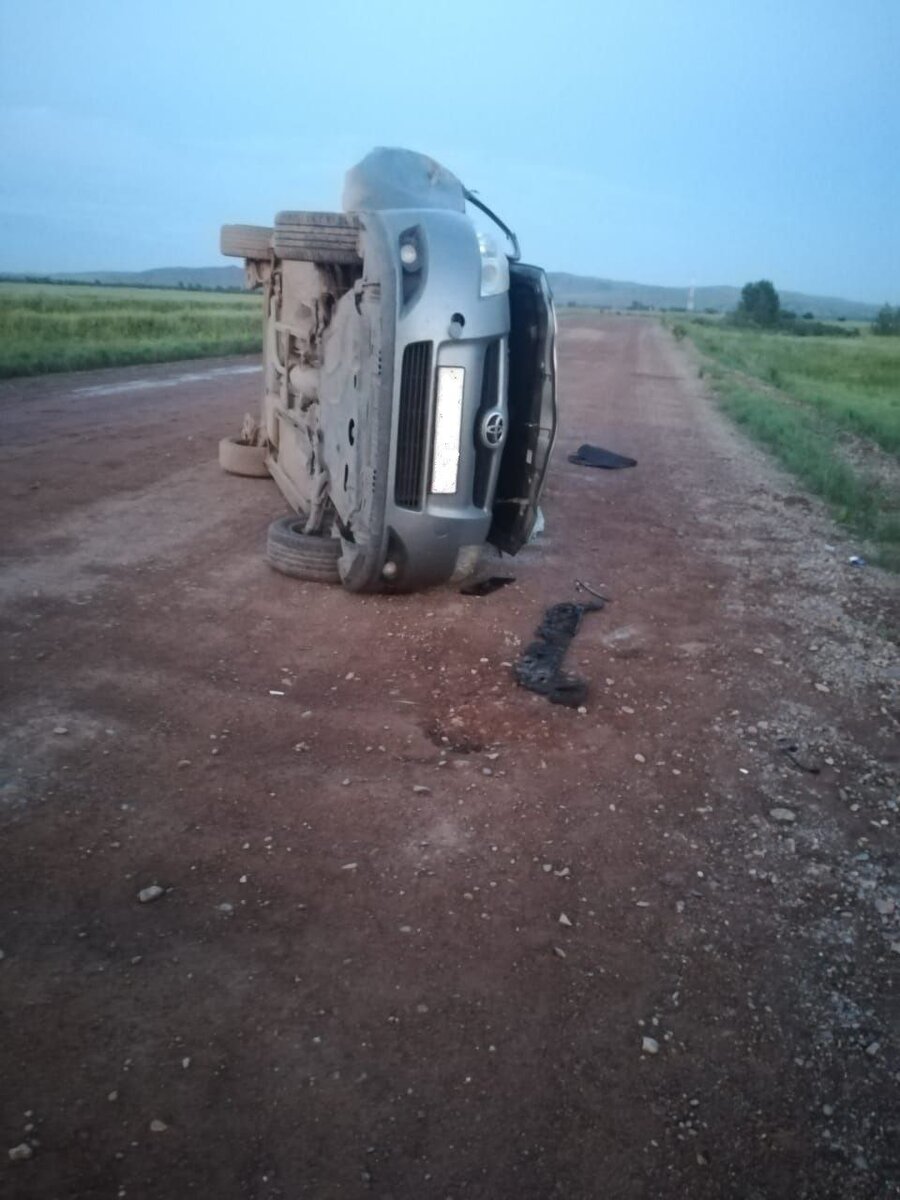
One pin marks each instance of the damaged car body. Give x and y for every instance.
(409, 365)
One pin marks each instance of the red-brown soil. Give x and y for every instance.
(355, 987)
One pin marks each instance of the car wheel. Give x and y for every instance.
(317, 237)
(302, 555)
(239, 459)
(246, 241)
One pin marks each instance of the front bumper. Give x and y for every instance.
(442, 321)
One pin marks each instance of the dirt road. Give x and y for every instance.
(417, 923)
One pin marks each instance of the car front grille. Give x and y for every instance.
(490, 395)
(415, 396)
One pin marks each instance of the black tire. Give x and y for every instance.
(317, 237)
(302, 555)
(246, 241)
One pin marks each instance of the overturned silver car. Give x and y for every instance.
(409, 400)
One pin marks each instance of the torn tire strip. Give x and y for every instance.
(539, 667)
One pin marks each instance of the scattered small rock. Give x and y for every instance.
(784, 815)
(20, 1153)
(145, 895)
(873, 1048)
(420, 789)
(157, 1126)
(564, 920)
(225, 907)
(649, 1045)
(559, 952)
(60, 729)
(885, 907)
(639, 758)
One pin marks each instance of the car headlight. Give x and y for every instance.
(411, 250)
(494, 267)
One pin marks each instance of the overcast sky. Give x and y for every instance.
(653, 141)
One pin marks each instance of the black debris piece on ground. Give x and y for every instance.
(539, 667)
(484, 587)
(595, 456)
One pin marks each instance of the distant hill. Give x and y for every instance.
(586, 291)
(161, 277)
(582, 290)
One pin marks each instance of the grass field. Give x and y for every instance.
(827, 408)
(56, 328)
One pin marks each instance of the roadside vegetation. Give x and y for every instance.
(57, 328)
(827, 406)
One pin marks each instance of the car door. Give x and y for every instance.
(531, 408)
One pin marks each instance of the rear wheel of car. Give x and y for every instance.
(317, 237)
(239, 459)
(246, 241)
(302, 555)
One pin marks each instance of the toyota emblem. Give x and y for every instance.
(493, 429)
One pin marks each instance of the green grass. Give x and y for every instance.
(829, 411)
(53, 328)
(853, 384)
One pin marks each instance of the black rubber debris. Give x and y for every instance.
(539, 667)
(484, 587)
(595, 456)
